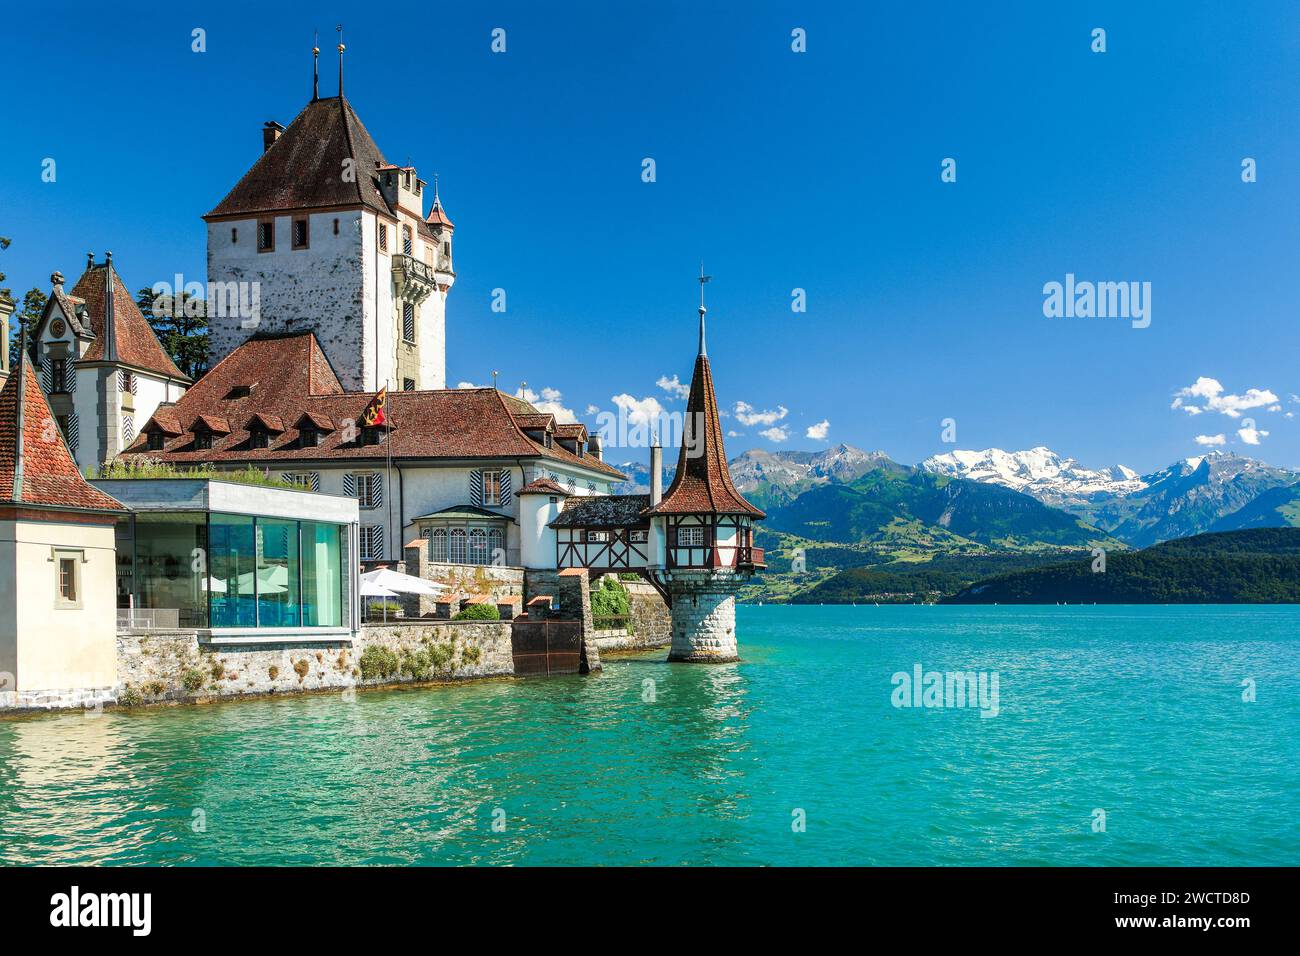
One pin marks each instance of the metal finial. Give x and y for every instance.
(315, 65)
(90, 260)
(339, 28)
(703, 279)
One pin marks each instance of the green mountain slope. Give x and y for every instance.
(1275, 508)
(1237, 567)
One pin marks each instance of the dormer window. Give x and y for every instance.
(154, 441)
(300, 234)
(308, 438)
(239, 391)
(203, 439)
(258, 438)
(370, 435)
(548, 440)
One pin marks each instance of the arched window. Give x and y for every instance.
(478, 546)
(496, 552)
(438, 546)
(456, 546)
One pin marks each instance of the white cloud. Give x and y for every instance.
(775, 434)
(1191, 409)
(734, 434)
(673, 386)
(550, 400)
(467, 385)
(1210, 440)
(819, 430)
(1251, 435)
(1209, 392)
(593, 409)
(640, 411)
(746, 414)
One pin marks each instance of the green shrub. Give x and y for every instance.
(378, 661)
(130, 697)
(192, 679)
(610, 599)
(479, 612)
(301, 668)
(218, 670)
(154, 688)
(471, 654)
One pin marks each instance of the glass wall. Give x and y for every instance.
(170, 553)
(277, 572)
(224, 570)
(323, 595)
(233, 563)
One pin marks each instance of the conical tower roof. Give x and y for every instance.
(703, 483)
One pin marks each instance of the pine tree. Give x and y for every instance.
(182, 328)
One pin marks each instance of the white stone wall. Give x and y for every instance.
(320, 288)
(703, 619)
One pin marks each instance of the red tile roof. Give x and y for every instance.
(304, 168)
(132, 337)
(296, 380)
(702, 484)
(542, 486)
(49, 475)
(437, 217)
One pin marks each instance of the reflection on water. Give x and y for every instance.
(1136, 710)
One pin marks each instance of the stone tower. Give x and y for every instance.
(702, 532)
(324, 234)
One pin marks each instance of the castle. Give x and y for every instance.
(327, 296)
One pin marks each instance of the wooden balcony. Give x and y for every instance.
(751, 558)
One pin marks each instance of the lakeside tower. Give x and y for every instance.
(702, 530)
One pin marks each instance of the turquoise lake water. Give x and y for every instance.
(1136, 711)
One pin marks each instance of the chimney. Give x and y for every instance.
(594, 447)
(656, 474)
(270, 133)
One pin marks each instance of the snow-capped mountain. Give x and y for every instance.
(1040, 472)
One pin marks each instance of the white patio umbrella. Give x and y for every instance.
(400, 583)
(371, 589)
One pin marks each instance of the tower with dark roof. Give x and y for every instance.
(702, 530)
(324, 234)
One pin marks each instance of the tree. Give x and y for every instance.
(181, 327)
(28, 316)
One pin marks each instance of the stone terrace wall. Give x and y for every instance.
(173, 665)
(652, 624)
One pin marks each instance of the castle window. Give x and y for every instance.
(300, 234)
(691, 536)
(492, 489)
(58, 377)
(154, 441)
(266, 236)
(371, 435)
(408, 321)
(308, 438)
(383, 237)
(336, 226)
(234, 235)
(372, 542)
(408, 384)
(406, 240)
(419, 188)
(446, 248)
(203, 439)
(258, 438)
(67, 582)
(638, 537)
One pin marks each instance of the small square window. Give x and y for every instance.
(266, 236)
(300, 234)
(155, 441)
(691, 536)
(203, 440)
(408, 384)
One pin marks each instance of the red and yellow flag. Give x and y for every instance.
(376, 412)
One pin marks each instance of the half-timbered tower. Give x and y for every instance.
(702, 540)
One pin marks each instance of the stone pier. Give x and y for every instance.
(704, 617)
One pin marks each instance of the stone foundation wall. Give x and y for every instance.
(504, 585)
(703, 621)
(158, 666)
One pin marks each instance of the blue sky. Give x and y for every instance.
(781, 170)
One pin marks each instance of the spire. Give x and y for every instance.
(339, 28)
(702, 484)
(315, 66)
(703, 279)
(17, 494)
(110, 320)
